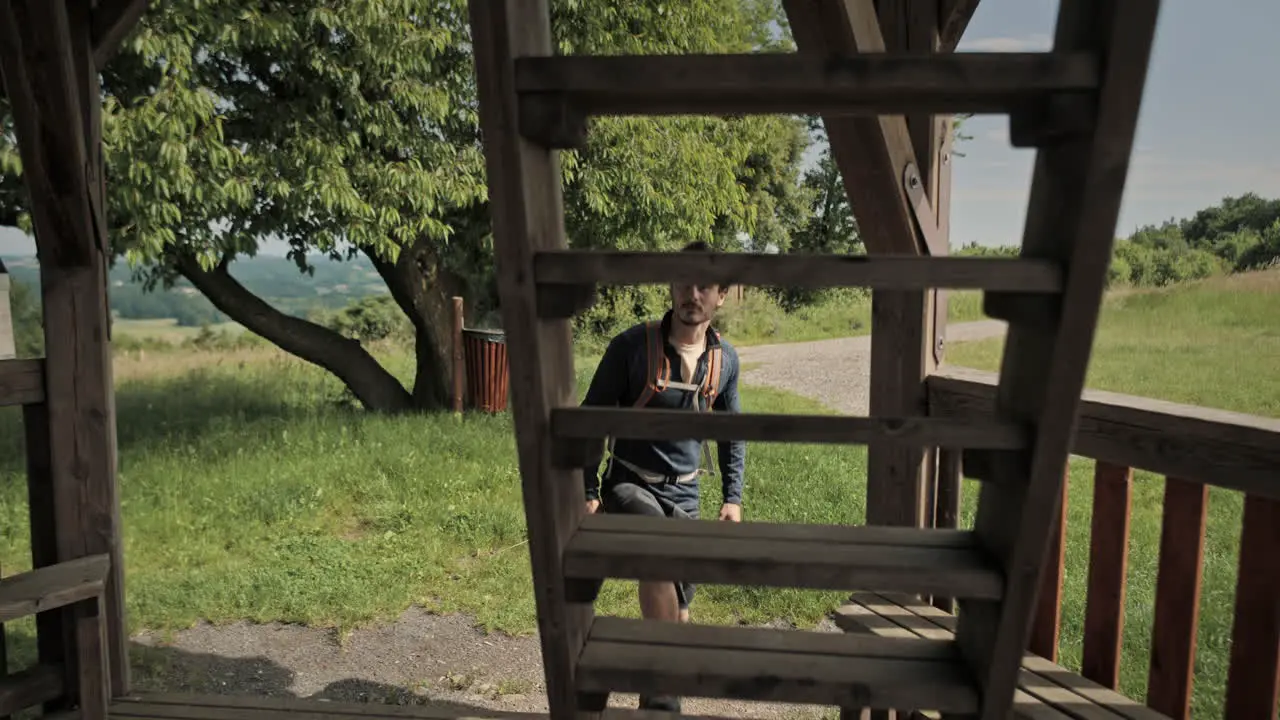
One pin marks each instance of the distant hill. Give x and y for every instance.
(275, 279)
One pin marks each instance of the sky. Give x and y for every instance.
(1206, 129)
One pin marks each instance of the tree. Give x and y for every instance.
(351, 128)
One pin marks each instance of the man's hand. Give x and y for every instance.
(592, 506)
(731, 512)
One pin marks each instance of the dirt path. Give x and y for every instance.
(835, 372)
(443, 660)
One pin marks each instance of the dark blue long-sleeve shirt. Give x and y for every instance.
(621, 378)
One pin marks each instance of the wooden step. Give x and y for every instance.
(52, 587)
(689, 660)
(803, 83)
(879, 272)
(829, 557)
(590, 423)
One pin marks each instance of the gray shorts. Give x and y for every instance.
(634, 498)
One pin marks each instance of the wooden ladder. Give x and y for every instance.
(1077, 105)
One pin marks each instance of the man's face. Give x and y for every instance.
(694, 304)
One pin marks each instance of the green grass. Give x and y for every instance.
(758, 320)
(1216, 344)
(250, 492)
(166, 329)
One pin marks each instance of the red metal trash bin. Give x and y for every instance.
(485, 354)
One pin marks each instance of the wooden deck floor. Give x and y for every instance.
(240, 707)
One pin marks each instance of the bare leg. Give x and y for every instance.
(684, 615)
(658, 601)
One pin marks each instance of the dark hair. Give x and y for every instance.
(702, 246)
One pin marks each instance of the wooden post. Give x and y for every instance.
(1108, 574)
(1048, 613)
(459, 363)
(8, 346)
(1177, 611)
(1253, 679)
(46, 54)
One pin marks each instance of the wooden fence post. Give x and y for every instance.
(459, 381)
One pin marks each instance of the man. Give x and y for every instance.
(660, 478)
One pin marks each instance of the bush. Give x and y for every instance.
(372, 318)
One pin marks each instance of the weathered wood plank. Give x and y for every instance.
(1217, 447)
(1108, 574)
(186, 706)
(800, 83)
(591, 423)
(782, 532)
(52, 587)
(1074, 204)
(1047, 622)
(525, 197)
(1253, 679)
(655, 550)
(782, 666)
(893, 272)
(113, 20)
(51, 627)
(954, 17)
(1177, 608)
(30, 687)
(21, 381)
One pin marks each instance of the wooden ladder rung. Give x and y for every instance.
(624, 655)
(30, 687)
(834, 557)
(803, 83)
(590, 423)
(53, 586)
(879, 272)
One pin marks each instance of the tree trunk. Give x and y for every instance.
(375, 388)
(423, 289)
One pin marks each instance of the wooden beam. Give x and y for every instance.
(112, 22)
(871, 152)
(51, 587)
(1217, 447)
(21, 381)
(954, 17)
(525, 196)
(870, 84)
(569, 267)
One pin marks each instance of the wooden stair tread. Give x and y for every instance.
(690, 660)
(589, 423)
(880, 272)
(53, 586)
(782, 555)
(870, 83)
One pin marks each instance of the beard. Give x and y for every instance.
(692, 314)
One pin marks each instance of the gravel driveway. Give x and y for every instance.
(835, 372)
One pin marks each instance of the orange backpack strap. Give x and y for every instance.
(658, 371)
(715, 362)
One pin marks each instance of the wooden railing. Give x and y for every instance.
(1194, 448)
(66, 597)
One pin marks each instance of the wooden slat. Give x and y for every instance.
(650, 424)
(1177, 610)
(798, 270)
(1224, 449)
(30, 687)
(1076, 189)
(949, 483)
(653, 550)
(526, 201)
(1048, 682)
(51, 626)
(773, 665)
(954, 17)
(1108, 574)
(21, 382)
(52, 587)
(113, 20)
(1047, 623)
(1253, 678)
(800, 83)
(750, 530)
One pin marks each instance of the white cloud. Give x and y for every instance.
(1036, 42)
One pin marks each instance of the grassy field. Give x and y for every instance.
(166, 330)
(250, 492)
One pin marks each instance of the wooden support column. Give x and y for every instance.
(874, 154)
(46, 55)
(906, 325)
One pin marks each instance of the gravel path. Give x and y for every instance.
(443, 660)
(835, 372)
